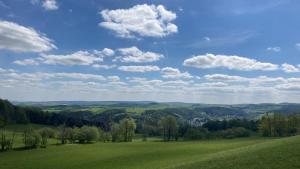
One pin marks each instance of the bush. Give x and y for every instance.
(194, 133)
(234, 133)
(31, 138)
(104, 136)
(87, 134)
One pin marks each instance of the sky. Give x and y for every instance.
(198, 51)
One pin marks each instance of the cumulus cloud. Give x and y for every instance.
(223, 77)
(113, 78)
(104, 52)
(289, 68)
(210, 88)
(139, 21)
(230, 62)
(50, 5)
(27, 62)
(169, 72)
(274, 49)
(133, 54)
(77, 58)
(18, 38)
(139, 69)
(101, 66)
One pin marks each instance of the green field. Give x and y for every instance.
(248, 153)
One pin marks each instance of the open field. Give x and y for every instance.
(250, 153)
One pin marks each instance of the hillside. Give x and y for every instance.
(253, 153)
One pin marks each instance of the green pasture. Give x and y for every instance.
(247, 153)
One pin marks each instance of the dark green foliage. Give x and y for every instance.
(11, 114)
(169, 128)
(196, 133)
(234, 133)
(104, 136)
(116, 133)
(279, 125)
(227, 124)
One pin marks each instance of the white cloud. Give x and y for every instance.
(77, 58)
(50, 5)
(18, 85)
(230, 62)
(223, 77)
(140, 69)
(113, 78)
(18, 38)
(27, 62)
(289, 68)
(169, 72)
(133, 54)
(140, 20)
(274, 49)
(100, 66)
(105, 52)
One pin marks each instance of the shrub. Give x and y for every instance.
(194, 133)
(234, 133)
(86, 134)
(104, 136)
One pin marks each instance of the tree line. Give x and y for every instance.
(116, 125)
(279, 125)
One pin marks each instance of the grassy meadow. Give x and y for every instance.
(247, 153)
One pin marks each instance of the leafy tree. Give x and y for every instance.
(5, 142)
(116, 133)
(234, 133)
(104, 136)
(169, 128)
(45, 134)
(31, 138)
(127, 126)
(195, 133)
(63, 134)
(88, 134)
(278, 125)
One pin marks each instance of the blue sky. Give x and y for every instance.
(169, 50)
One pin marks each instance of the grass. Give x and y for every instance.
(249, 153)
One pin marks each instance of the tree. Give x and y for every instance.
(104, 136)
(169, 128)
(89, 133)
(116, 133)
(31, 138)
(279, 125)
(45, 134)
(195, 133)
(127, 126)
(62, 134)
(265, 126)
(5, 142)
